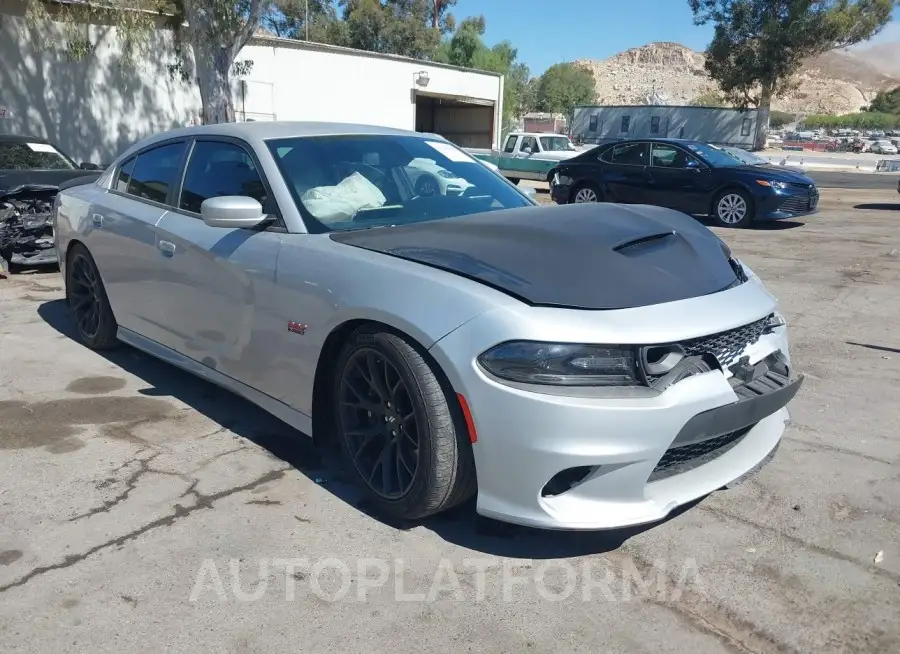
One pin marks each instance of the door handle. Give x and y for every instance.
(167, 248)
(97, 220)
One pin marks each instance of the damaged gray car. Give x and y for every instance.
(32, 171)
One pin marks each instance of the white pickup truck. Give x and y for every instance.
(527, 155)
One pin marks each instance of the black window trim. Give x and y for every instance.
(278, 226)
(619, 144)
(134, 155)
(690, 155)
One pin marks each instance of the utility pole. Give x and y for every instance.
(306, 20)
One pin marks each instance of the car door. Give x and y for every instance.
(625, 172)
(217, 284)
(122, 234)
(506, 162)
(677, 180)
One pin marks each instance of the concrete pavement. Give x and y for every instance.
(145, 510)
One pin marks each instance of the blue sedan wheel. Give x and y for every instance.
(733, 209)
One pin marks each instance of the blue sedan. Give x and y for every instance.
(692, 177)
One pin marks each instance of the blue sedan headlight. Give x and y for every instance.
(562, 364)
(772, 184)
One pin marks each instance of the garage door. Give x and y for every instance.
(468, 123)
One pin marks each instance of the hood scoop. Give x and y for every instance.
(628, 247)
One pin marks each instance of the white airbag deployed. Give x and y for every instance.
(341, 202)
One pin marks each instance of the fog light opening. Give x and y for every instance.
(566, 480)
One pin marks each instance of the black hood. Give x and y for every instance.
(585, 256)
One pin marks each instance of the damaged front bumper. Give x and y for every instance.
(26, 225)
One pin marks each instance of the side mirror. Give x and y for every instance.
(693, 165)
(232, 211)
(529, 192)
(86, 165)
(526, 150)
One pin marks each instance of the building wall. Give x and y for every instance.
(95, 107)
(313, 82)
(710, 124)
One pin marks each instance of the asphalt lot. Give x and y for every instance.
(144, 510)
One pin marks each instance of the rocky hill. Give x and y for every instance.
(835, 83)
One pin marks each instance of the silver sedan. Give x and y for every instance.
(579, 367)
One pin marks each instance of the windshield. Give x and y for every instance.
(21, 155)
(358, 182)
(714, 156)
(556, 144)
(746, 157)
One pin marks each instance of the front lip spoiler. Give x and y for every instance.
(735, 416)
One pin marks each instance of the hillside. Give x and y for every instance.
(837, 82)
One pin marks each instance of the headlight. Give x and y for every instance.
(446, 174)
(779, 185)
(562, 364)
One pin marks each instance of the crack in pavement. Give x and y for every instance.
(202, 502)
(130, 485)
(836, 449)
(733, 632)
(799, 542)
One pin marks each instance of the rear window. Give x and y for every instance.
(156, 171)
(33, 156)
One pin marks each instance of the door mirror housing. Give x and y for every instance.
(526, 150)
(232, 212)
(693, 164)
(87, 165)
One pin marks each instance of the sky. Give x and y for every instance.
(546, 32)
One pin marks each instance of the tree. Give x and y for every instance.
(563, 86)
(781, 118)
(710, 99)
(214, 30)
(886, 102)
(757, 45)
(466, 48)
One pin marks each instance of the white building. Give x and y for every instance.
(96, 106)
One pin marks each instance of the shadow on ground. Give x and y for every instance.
(879, 206)
(461, 525)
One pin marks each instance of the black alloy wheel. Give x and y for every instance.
(401, 426)
(88, 302)
(379, 423)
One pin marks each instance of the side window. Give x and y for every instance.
(746, 126)
(654, 124)
(216, 169)
(592, 126)
(156, 171)
(629, 154)
(667, 156)
(528, 142)
(124, 177)
(510, 144)
(626, 124)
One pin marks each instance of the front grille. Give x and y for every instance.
(678, 460)
(797, 205)
(726, 346)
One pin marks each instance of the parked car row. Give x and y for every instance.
(454, 344)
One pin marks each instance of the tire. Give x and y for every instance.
(583, 193)
(85, 294)
(444, 471)
(514, 180)
(733, 208)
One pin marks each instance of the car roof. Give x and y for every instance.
(266, 130)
